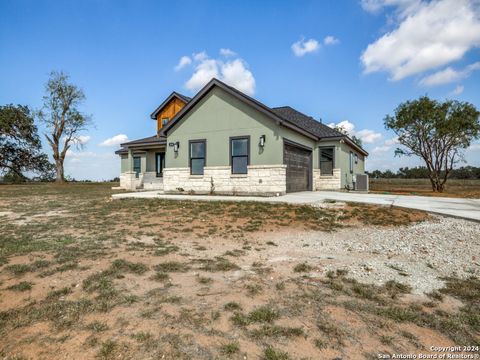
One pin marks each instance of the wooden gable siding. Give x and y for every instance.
(169, 111)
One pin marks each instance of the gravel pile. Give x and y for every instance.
(419, 254)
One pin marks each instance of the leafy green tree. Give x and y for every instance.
(20, 146)
(437, 132)
(62, 118)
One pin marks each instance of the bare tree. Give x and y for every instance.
(62, 118)
(437, 132)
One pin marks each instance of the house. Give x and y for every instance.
(224, 142)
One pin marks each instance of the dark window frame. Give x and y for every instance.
(320, 158)
(230, 155)
(351, 161)
(190, 142)
(139, 166)
(165, 122)
(162, 164)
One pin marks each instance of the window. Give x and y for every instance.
(197, 156)
(239, 152)
(164, 121)
(159, 163)
(326, 161)
(351, 162)
(137, 165)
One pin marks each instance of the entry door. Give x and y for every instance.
(299, 167)
(159, 163)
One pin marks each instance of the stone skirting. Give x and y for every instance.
(264, 180)
(327, 182)
(129, 181)
(151, 181)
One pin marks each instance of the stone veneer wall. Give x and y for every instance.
(264, 180)
(328, 182)
(151, 181)
(129, 181)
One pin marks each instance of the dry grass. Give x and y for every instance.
(82, 276)
(454, 187)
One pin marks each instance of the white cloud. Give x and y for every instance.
(345, 125)
(458, 90)
(227, 52)
(403, 6)
(302, 46)
(366, 135)
(184, 61)
(204, 72)
(233, 71)
(200, 56)
(81, 140)
(386, 146)
(449, 75)
(114, 140)
(428, 35)
(330, 40)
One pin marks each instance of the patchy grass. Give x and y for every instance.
(157, 278)
(171, 266)
(230, 348)
(21, 286)
(272, 354)
(303, 267)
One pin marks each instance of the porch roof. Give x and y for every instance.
(151, 141)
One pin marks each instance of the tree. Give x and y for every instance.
(435, 131)
(20, 146)
(355, 139)
(63, 119)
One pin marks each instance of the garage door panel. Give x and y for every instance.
(298, 161)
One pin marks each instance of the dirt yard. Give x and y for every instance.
(84, 277)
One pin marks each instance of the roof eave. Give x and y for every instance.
(154, 114)
(349, 141)
(239, 95)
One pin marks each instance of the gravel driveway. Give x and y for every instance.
(419, 254)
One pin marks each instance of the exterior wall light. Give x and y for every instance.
(176, 146)
(262, 141)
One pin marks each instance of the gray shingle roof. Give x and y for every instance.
(306, 122)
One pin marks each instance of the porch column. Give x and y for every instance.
(130, 178)
(130, 160)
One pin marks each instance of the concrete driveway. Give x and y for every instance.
(457, 207)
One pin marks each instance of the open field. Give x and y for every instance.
(82, 276)
(454, 187)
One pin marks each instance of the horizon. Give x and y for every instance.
(333, 61)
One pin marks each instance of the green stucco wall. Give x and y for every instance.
(220, 116)
(124, 164)
(342, 160)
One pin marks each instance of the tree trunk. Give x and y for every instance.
(60, 174)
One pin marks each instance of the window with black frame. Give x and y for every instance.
(164, 121)
(326, 161)
(197, 156)
(239, 152)
(137, 165)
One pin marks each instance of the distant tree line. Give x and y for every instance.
(422, 172)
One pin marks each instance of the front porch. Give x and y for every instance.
(142, 164)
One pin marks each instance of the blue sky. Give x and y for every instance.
(349, 62)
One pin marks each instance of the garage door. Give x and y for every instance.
(299, 172)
